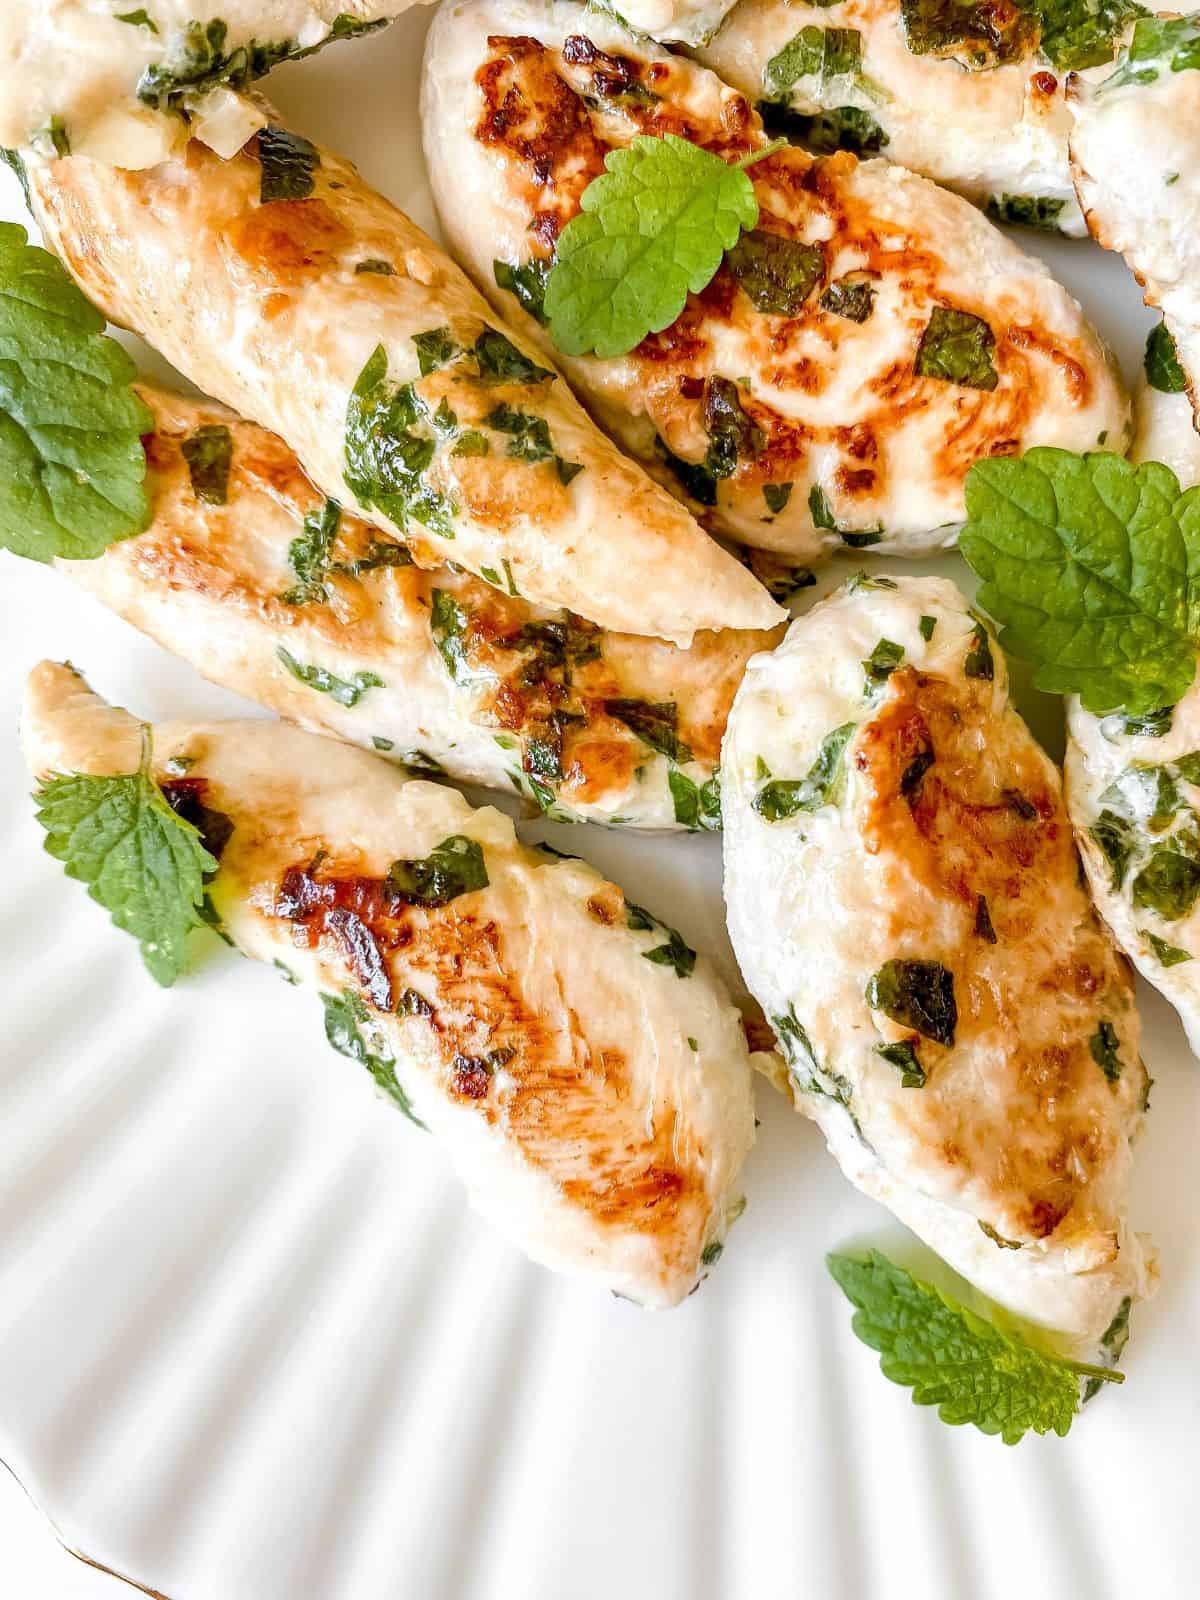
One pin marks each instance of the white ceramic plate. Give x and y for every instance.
(253, 1346)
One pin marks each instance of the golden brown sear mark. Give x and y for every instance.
(536, 113)
(961, 816)
(967, 824)
(289, 241)
(531, 113)
(567, 1103)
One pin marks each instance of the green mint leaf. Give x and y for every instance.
(674, 953)
(288, 162)
(1161, 362)
(137, 19)
(448, 624)
(818, 509)
(436, 348)
(978, 662)
(697, 805)
(1116, 839)
(823, 132)
(823, 517)
(1167, 955)
(951, 1358)
(1169, 883)
(418, 761)
(347, 692)
(822, 785)
(203, 62)
(777, 496)
(452, 868)
(375, 264)
(777, 273)
(471, 442)
(209, 454)
(693, 476)
(309, 555)
(345, 1015)
(1084, 33)
(882, 662)
(653, 227)
(71, 459)
(733, 436)
(814, 53)
(852, 298)
(1105, 1047)
(860, 541)
(976, 33)
(500, 361)
(806, 1071)
(655, 724)
(1155, 724)
(957, 347)
(141, 861)
(904, 1056)
(1114, 1338)
(1092, 566)
(386, 451)
(918, 995)
(1029, 210)
(530, 439)
(526, 282)
(1145, 794)
(380, 553)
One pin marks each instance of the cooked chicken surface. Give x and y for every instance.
(905, 903)
(1133, 786)
(117, 83)
(966, 96)
(268, 589)
(855, 354)
(690, 22)
(334, 321)
(1164, 430)
(586, 1071)
(1133, 158)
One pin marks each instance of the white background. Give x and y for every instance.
(36, 1567)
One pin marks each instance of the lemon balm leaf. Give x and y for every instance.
(951, 1358)
(654, 227)
(144, 864)
(1092, 566)
(72, 466)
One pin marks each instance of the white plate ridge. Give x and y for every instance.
(254, 1345)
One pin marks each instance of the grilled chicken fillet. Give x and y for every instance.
(905, 903)
(972, 97)
(268, 589)
(331, 319)
(855, 354)
(1133, 158)
(594, 1095)
(1133, 785)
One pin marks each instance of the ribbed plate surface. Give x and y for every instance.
(253, 1346)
